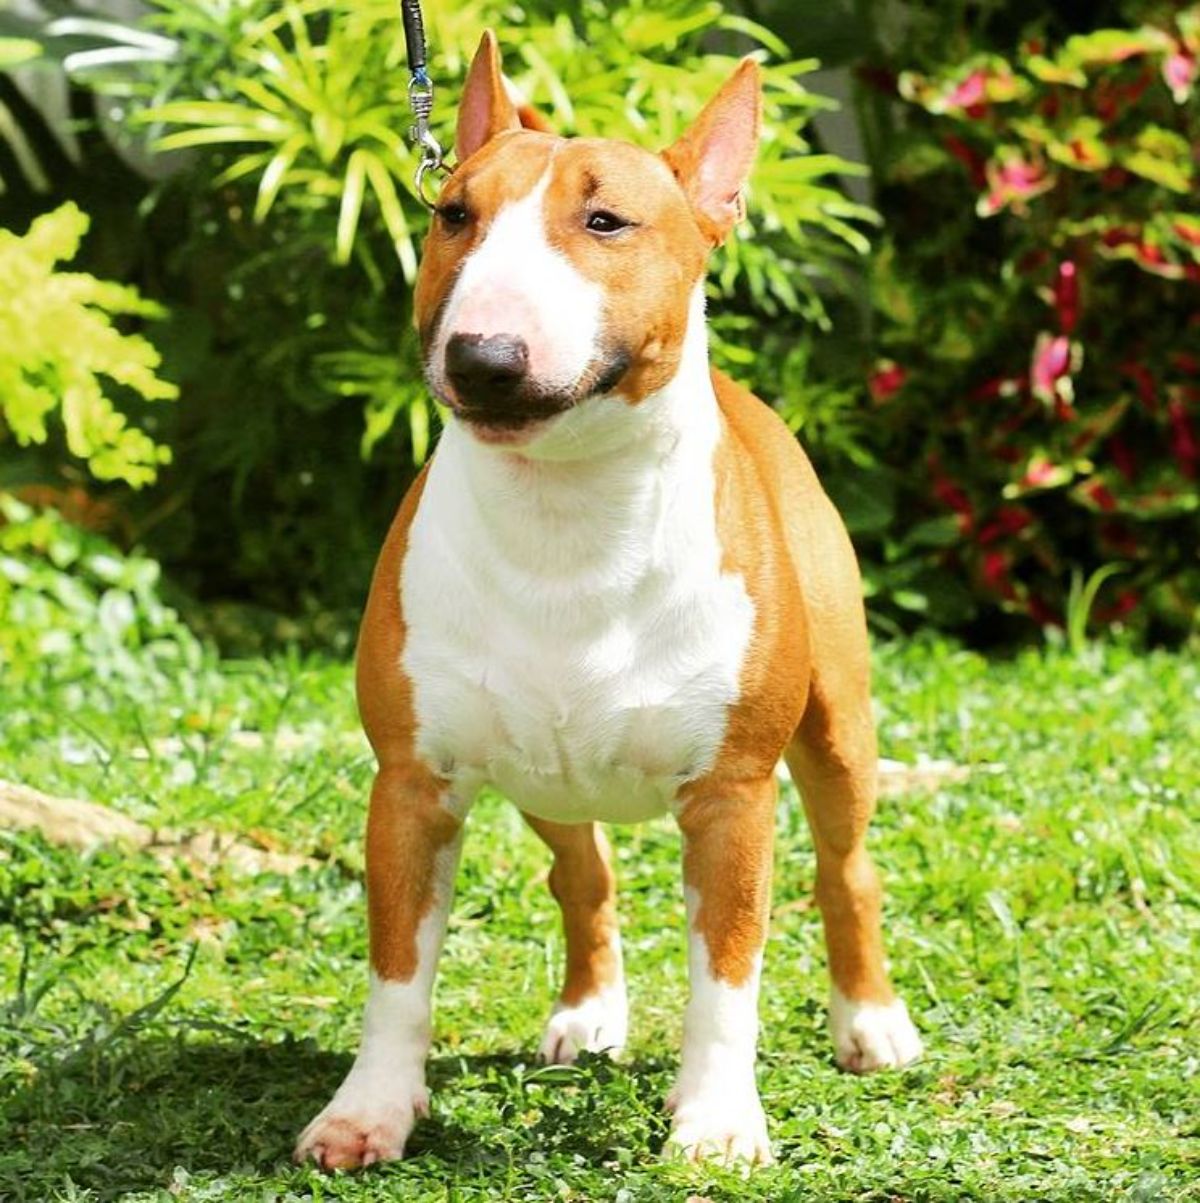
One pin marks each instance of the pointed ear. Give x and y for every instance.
(486, 109)
(712, 160)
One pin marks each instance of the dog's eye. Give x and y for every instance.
(604, 222)
(453, 213)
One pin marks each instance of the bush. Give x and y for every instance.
(286, 246)
(61, 355)
(1038, 384)
(75, 610)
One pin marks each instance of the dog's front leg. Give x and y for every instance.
(413, 843)
(728, 831)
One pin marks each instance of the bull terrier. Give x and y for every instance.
(616, 591)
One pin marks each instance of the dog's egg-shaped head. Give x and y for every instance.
(556, 269)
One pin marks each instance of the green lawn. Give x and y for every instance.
(166, 1029)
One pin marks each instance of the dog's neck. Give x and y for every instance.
(602, 479)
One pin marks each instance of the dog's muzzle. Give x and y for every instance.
(492, 385)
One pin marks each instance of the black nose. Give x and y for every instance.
(482, 368)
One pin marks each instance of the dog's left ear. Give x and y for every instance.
(712, 160)
(486, 109)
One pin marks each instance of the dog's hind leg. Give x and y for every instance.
(591, 1013)
(833, 761)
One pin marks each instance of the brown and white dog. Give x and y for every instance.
(617, 591)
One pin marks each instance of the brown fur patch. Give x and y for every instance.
(407, 824)
(728, 830)
(727, 816)
(584, 886)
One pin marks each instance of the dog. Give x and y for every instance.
(616, 591)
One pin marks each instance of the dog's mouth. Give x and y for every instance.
(514, 413)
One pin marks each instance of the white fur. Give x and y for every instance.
(515, 282)
(374, 1109)
(869, 1036)
(598, 1023)
(572, 638)
(715, 1100)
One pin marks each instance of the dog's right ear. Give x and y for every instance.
(486, 109)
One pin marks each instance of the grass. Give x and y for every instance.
(165, 1030)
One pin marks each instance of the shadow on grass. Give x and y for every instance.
(120, 1119)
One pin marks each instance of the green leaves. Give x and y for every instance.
(325, 109)
(327, 100)
(15, 51)
(1163, 156)
(61, 353)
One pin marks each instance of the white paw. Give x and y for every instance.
(367, 1120)
(722, 1126)
(869, 1036)
(595, 1025)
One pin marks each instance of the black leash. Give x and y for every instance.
(420, 99)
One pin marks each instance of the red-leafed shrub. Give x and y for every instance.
(1038, 330)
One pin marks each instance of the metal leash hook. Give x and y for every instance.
(420, 100)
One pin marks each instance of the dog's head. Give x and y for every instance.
(558, 270)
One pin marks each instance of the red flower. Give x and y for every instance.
(1122, 457)
(995, 573)
(970, 158)
(1099, 492)
(1043, 613)
(1009, 520)
(951, 495)
(1000, 386)
(1120, 607)
(1183, 440)
(1144, 383)
(1066, 296)
(886, 380)
(1187, 229)
(1116, 236)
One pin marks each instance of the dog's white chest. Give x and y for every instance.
(571, 640)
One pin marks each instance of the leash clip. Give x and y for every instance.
(420, 100)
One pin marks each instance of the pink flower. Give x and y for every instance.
(886, 380)
(1039, 472)
(1179, 70)
(1012, 180)
(1050, 372)
(970, 93)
